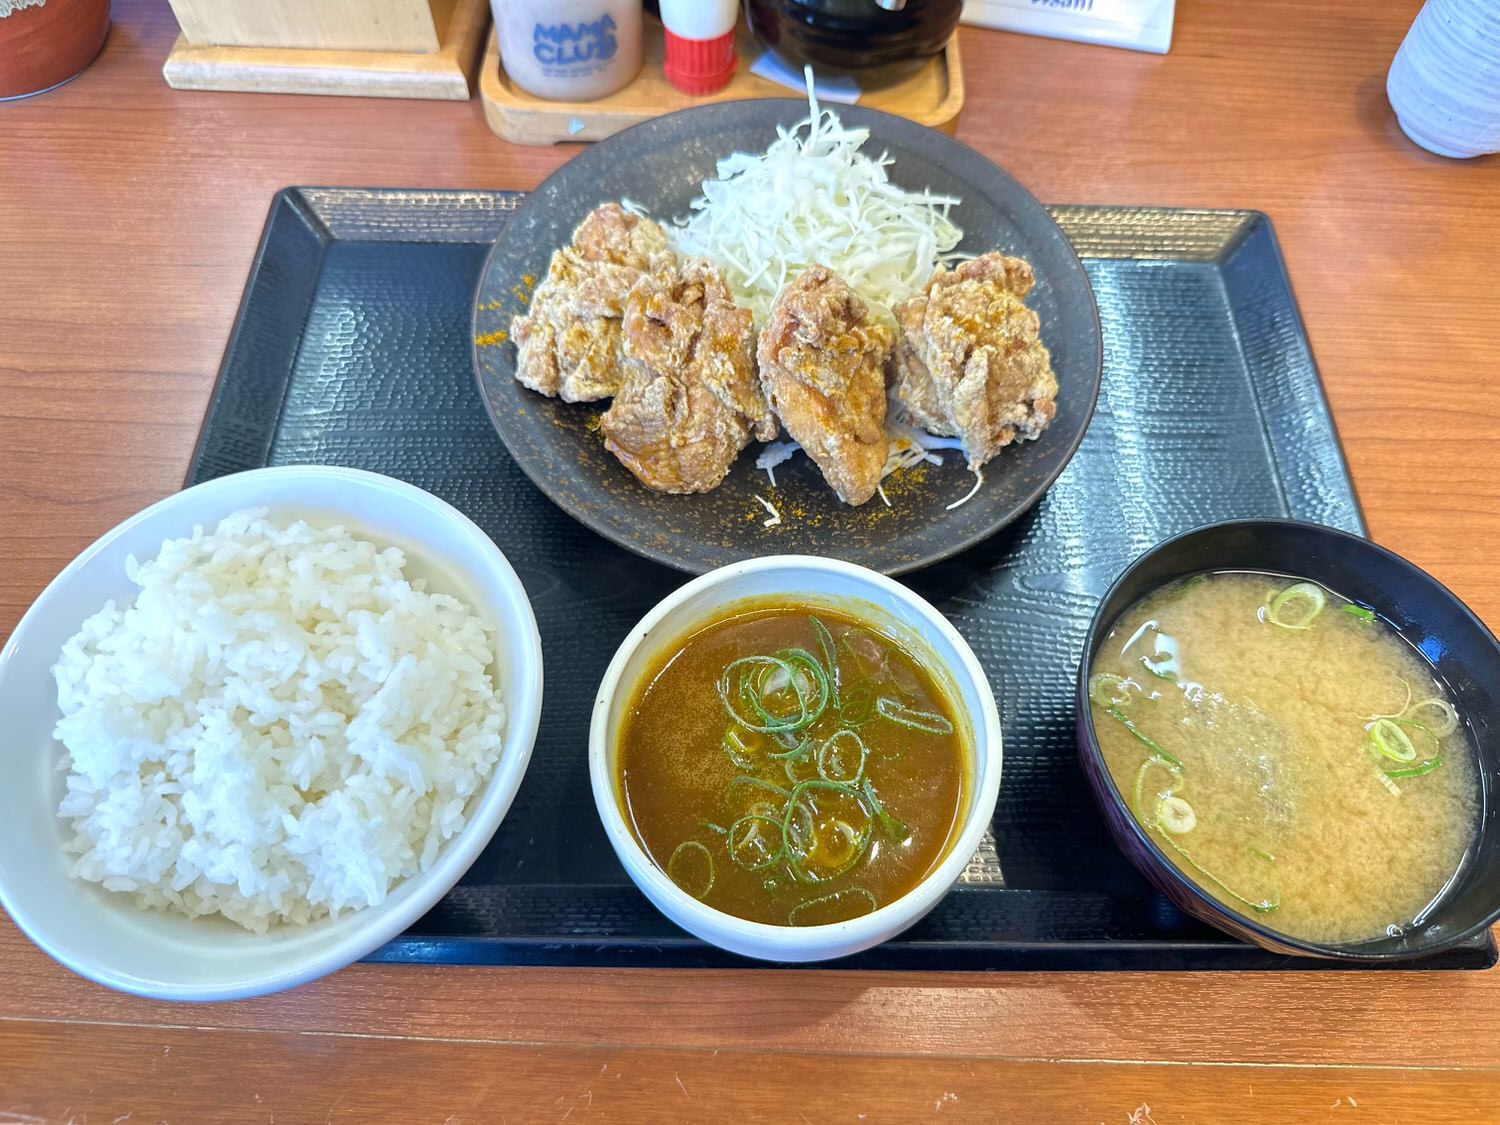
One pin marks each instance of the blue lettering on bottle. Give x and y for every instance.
(573, 45)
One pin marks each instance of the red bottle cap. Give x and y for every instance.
(699, 66)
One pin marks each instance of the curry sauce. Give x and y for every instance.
(792, 764)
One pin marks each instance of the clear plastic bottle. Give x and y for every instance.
(569, 50)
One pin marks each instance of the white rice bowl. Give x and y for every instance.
(281, 727)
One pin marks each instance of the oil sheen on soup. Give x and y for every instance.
(1294, 756)
(792, 764)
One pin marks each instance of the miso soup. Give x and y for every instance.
(794, 765)
(1289, 752)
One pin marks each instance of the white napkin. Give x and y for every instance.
(1140, 25)
(841, 89)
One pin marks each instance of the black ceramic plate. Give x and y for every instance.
(660, 165)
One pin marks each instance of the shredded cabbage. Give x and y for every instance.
(773, 455)
(775, 515)
(908, 446)
(813, 197)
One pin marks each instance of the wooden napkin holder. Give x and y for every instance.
(373, 48)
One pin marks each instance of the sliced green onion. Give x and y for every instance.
(1175, 815)
(759, 676)
(796, 752)
(804, 825)
(784, 677)
(858, 846)
(1394, 743)
(753, 846)
(828, 758)
(1435, 744)
(1156, 747)
(1415, 771)
(825, 642)
(778, 681)
(857, 851)
(1139, 789)
(1358, 611)
(800, 843)
(855, 839)
(1282, 610)
(686, 848)
(858, 705)
(1267, 856)
(1264, 906)
(1107, 689)
(790, 766)
(758, 783)
(812, 783)
(1406, 706)
(1446, 725)
(1391, 786)
(836, 896)
(737, 750)
(895, 827)
(786, 739)
(712, 827)
(727, 681)
(795, 855)
(816, 670)
(929, 722)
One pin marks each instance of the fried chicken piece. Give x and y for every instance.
(970, 362)
(690, 399)
(609, 233)
(568, 342)
(821, 362)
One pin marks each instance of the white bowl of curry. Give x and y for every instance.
(795, 757)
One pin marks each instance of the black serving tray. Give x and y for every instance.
(351, 348)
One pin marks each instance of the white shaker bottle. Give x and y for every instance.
(699, 56)
(569, 50)
(1445, 81)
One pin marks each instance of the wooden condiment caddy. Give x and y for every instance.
(931, 95)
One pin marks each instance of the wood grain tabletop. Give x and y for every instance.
(128, 217)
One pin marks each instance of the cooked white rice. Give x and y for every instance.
(279, 728)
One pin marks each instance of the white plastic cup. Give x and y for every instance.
(1444, 82)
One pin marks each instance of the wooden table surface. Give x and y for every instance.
(128, 217)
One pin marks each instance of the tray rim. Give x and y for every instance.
(1127, 955)
(1130, 954)
(285, 197)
